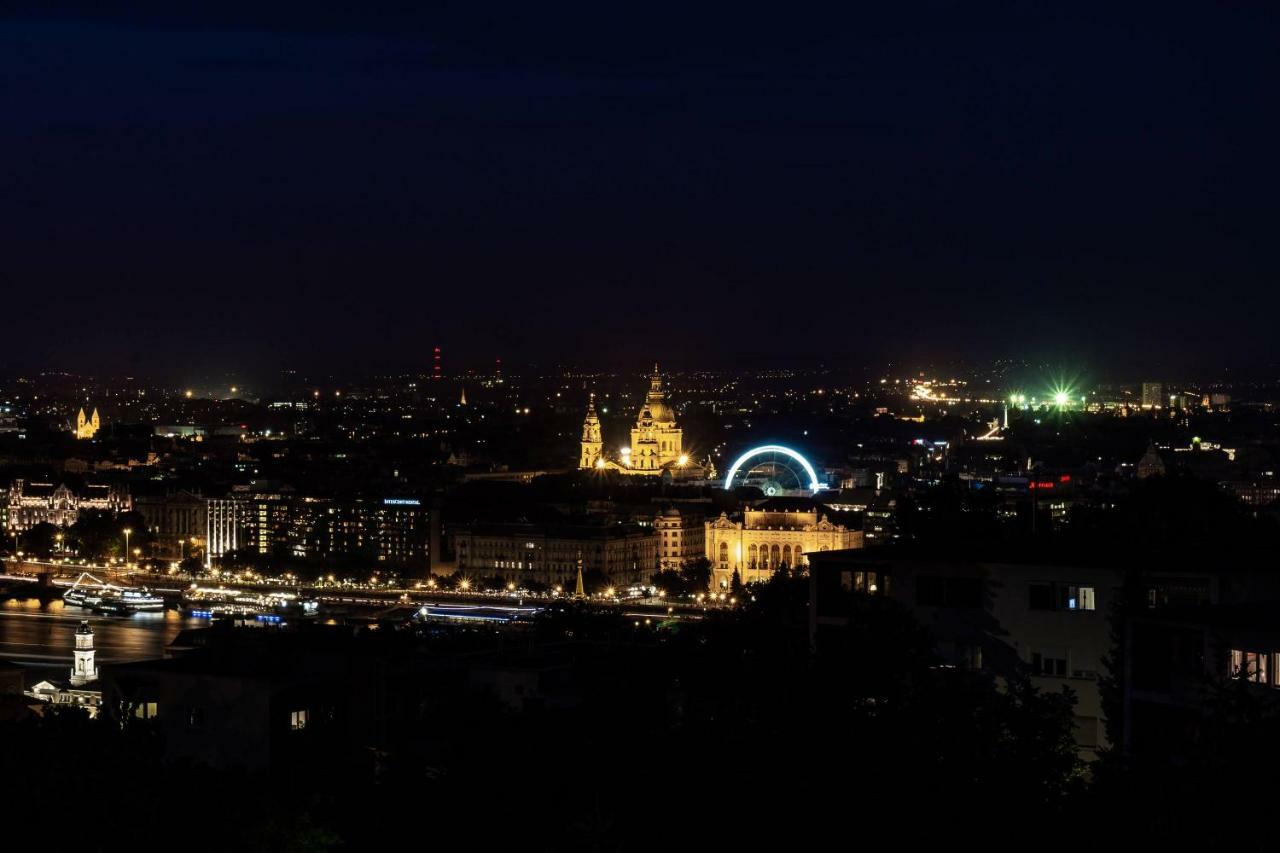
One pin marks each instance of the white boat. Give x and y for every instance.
(101, 597)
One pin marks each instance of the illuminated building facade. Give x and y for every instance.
(87, 427)
(681, 538)
(394, 531)
(548, 554)
(222, 527)
(779, 532)
(39, 503)
(592, 445)
(657, 442)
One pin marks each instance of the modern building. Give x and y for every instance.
(549, 554)
(778, 532)
(1152, 395)
(390, 531)
(1048, 620)
(222, 527)
(1181, 659)
(40, 503)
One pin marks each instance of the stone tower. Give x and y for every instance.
(84, 669)
(592, 445)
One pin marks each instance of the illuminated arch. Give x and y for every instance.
(814, 485)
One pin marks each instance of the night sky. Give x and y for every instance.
(608, 184)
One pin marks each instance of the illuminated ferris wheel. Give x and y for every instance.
(775, 470)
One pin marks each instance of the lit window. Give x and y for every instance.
(1080, 598)
(1250, 666)
(298, 720)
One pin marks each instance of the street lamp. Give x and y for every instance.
(127, 531)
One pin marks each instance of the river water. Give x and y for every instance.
(42, 634)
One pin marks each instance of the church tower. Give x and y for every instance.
(656, 441)
(592, 445)
(84, 669)
(87, 427)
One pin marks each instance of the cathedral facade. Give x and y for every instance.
(657, 443)
(87, 427)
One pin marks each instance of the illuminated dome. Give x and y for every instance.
(655, 404)
(660, 412)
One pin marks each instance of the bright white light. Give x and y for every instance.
(814, 485)
(1061, 398)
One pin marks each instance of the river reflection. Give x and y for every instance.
(43, 633)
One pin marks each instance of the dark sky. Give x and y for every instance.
(341, 186)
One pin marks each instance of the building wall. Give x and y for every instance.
(222, 527)
(681, 538)
(523, 553)
(1049, 619)
(175, 518)
(764, 541)
(390, 531)
(38, 503)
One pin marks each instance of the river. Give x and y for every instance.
(42, 634)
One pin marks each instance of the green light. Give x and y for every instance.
(1061, 398)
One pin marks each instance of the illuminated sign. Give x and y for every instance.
(401, 502)
(814, 485)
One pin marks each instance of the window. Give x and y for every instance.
(146, 710)
(195, 718)
(934, 591)
(298, 720)
(1250, 666)
(1044, 665)
(1079, 598)
(1041, 596)
(1048, 596)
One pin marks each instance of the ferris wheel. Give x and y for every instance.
(775, 470)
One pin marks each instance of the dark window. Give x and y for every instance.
(934, 591)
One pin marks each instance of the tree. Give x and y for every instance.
(39, 540)
(697, 575)
(671, 582)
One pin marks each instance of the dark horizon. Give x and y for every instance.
(340, 190)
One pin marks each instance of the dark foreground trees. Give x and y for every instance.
(721, 732)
